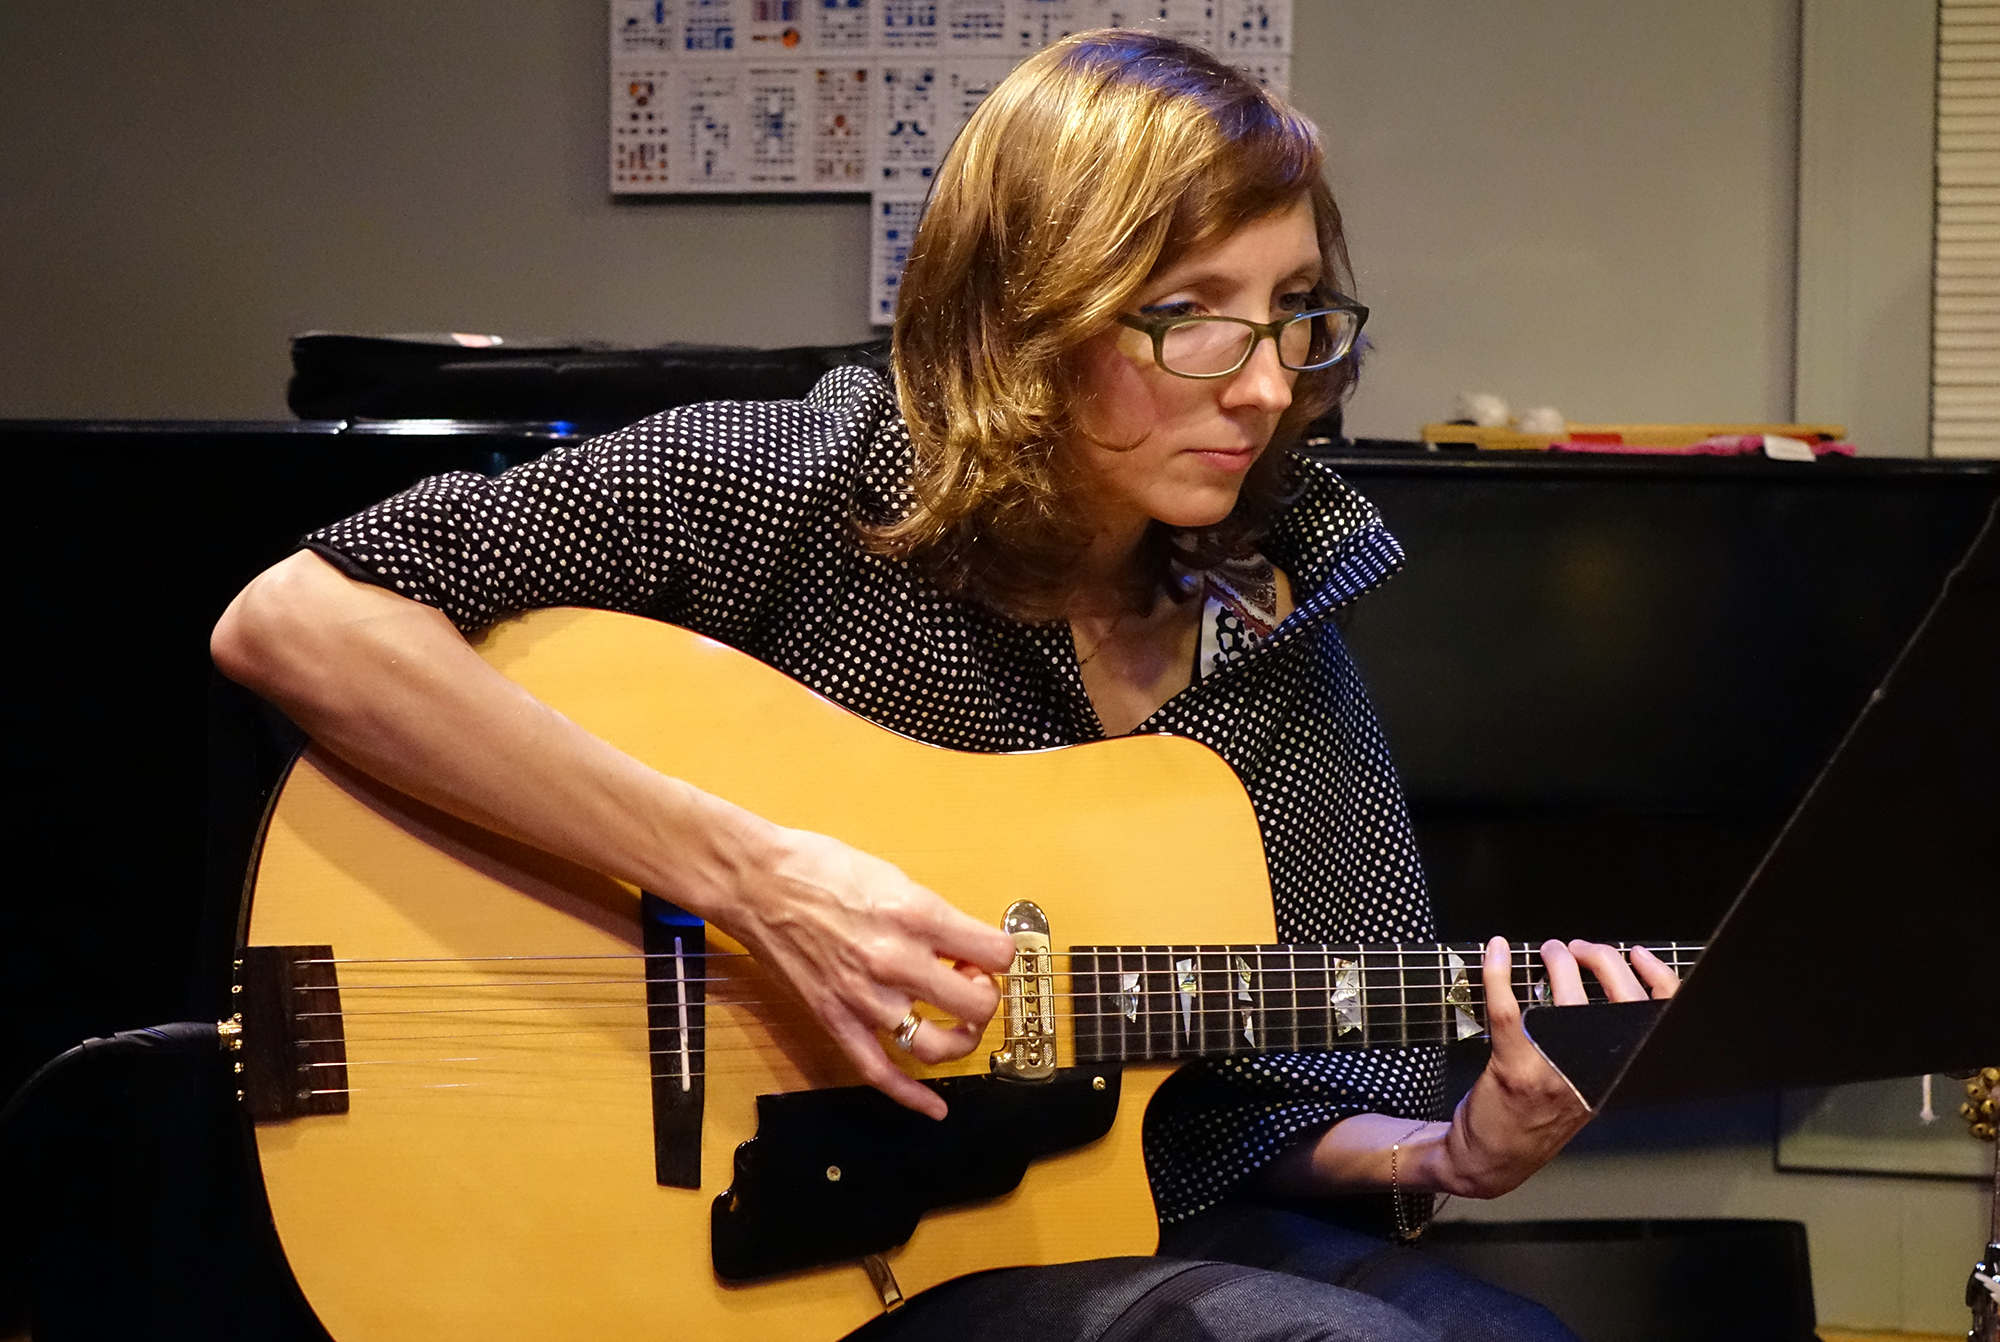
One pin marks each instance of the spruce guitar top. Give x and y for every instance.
(498, 1096)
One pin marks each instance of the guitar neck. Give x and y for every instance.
(1142, 1003)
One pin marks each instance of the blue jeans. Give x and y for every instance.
(1239, 1273)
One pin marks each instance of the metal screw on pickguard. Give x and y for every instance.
(1097, 1083)
(833, 1174)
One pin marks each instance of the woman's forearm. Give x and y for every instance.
(391, 687)
(1355, 1156)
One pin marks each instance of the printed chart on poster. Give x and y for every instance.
(805, 96)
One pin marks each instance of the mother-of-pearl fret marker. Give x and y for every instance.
(1345, 999)
(1186, 982)
(1243, 994)
(1128, 995)
(1460, 997)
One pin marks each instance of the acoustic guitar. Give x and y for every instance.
(498, 1096)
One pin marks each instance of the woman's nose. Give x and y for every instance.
(1263, 383)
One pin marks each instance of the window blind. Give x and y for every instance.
(1965, 339)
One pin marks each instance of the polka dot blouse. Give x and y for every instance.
(733, 519)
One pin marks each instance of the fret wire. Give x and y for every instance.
(1187, 1013)
(1232, 1005)
(1167, 1018)
(1135, 959)
(1166, 1022)
(1079, 1019)
(1292, 966)
(1402, 953)
(1203, 1012)
(1117, 986)
(1223, 978)
(1229, 1013)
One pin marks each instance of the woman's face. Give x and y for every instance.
(1195, 439)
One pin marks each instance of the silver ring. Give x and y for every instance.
(906, 1033)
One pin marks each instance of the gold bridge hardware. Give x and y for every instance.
(1028, 998)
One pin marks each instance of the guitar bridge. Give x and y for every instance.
(1029, 999)
(291, 1058)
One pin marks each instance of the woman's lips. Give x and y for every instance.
(1221, 459)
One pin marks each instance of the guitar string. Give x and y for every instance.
(1106, 964)
(1416, 1039)
(1421, 1036)
(1302, 1009)
(1379, 950)
(1522, 975)
(1425, 995)
(1135, 1045)
(1433, 994)
(1415, 1032)
(719, 1073)
(1404, 999)
(1273, 1017)
(1303, 982)
(1407, 1032)
(616, 981)
(1274, 1020)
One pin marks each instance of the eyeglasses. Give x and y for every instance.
(1219, 346)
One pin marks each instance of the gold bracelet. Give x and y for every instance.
(1405, 1231)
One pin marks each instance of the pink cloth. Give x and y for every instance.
(1720, 445)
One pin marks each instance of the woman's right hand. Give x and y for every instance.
(862, 945)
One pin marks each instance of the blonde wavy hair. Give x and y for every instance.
(1098, 162)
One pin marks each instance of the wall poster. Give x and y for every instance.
(810, 96)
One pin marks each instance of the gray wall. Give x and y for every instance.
(1566, 202)
(183, 186)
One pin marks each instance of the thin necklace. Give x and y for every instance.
(1102, 639)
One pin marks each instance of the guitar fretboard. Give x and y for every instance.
(1138, 1003)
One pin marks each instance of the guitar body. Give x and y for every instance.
(493, 1175)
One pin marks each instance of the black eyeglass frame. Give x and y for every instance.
(1157, 328)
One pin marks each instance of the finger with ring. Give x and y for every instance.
(906, 1033)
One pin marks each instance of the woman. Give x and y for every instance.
(1072, 515)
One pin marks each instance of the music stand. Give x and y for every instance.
(1866, 944)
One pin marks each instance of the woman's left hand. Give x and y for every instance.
(1521, 1111)
(1514, 1119)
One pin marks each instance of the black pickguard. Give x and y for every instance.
(835, 1175)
